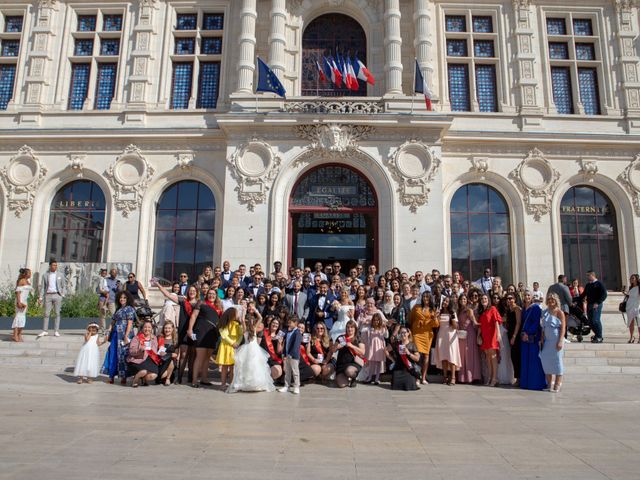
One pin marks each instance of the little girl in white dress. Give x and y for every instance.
(88, 362)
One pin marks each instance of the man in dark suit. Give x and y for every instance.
(320, 307)
(560, 288)
(184, 283)
(296, 301)
(226, 274)
(256, 287)
(595, 293)
(245, 279)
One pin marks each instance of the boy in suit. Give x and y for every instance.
(291, 356)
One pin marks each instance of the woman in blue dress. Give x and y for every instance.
(120, 334)
(554, 325)
(531, 372)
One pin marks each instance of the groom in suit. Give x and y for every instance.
(296, 301)
(320, 307)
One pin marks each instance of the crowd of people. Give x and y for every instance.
(282, 329)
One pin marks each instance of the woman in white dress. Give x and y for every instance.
(252, 372)
(505, 365)
(23, 288)
(633, 306)
(171, 308)
(346, 312)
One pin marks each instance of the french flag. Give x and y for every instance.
(337, 76)
(363, 73)
(345, 73)
(353, 80)
(328, 71)
(422, 87)
(323, 77)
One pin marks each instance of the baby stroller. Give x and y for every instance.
(578, 322)
(144, 313)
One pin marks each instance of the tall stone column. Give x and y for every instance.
(528, 98)
(422, 42)
(246, 61)
(277, 37)
(392, 47)
(141, 56)
(627, 60)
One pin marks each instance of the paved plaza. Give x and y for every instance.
(55, 429)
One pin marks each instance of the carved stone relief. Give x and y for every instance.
(185, 160)
(536, 179)
(630, 179)
(414, 166)
(22, 177)
(254, 166)
(479, 165)
(330, 141)
(76, 163)
(129, 176)
(588, 168)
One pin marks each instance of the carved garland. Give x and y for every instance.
(254, 166)
(414, 166)
(129, 176)
(537, 193)
(22, 178)
(630, 179)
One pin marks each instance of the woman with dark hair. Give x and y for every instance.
(261, 303)
(404, 356)
(120, 335)
(531, 372)
(447, 351)
(489, 319)
(271, 342)
(273, 305)
(318, 350)
(135, 288)
(470, 368)
(422, 321)
(228, 297)
(23, 288)
(632, 306)
(350, 356)
(203, 334)
(171, 309)
(514, 328)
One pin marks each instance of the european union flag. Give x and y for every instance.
(267, 80)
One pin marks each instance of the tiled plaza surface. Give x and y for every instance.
(53, 428)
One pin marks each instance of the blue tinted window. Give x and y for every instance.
(456, 23)
(213, 21)
(483, 48)
(556, 26)
(110, 46)
(106, 85)
(7, 77)
(482, 24)
(185, 46)
(83, 47)
(86, 23)
(459, 87)
(186, 21)
(181, 88)
(208, 84)
(79, 85)
(10, 48)
(456, 48)
(582, 27)
(559, 50)
(13, 24)
(212, 45)
(585, 51)
(486, 88)
(561, 86)
(112, 23)
(588, 82)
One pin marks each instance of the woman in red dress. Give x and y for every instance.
(489, 319)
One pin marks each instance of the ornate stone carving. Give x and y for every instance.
(536, 179)
(630, 179)
(414, 166)
(47, 3)
(588, 168)
(254, 166)
(185, 160)
(361, 107)
(625, 6)
(129, 176)
(148, 3)
(479, 165)
(76, 163)
(333, 139)
(22, 177)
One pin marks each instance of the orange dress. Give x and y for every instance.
(422, 322)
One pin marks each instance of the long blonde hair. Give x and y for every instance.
(174, 333)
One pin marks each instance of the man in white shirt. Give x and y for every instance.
(486, 282)
(52, 291)
(537, 294)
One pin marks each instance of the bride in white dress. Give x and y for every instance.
(251, 372)
(345, 311)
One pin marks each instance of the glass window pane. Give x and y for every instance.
(212, 45)
(584, 196)
(208, 83)
(185, 46)
(213, 21)
(589, 96)
(13, 23)
(559, 50)
(186, 21)
(556, 26)
(163, 259)
(479, 223)
(486, 88)
(185, 247)
(499, 223)
(79, 85)
(186, 219)
(456, 23)
(585, 51)
(110, 46)
(7, 78)
(459, 223)
(457, 47)
(205, 198)
(459, 200)
(482, 24)
(112, 23)
(501, 256)
(181, 88)
(496, 202)
(460, 253)
(561, 86)
(483, 48)
(86, 23)
(478, 198)
(582, 27)
(187, 195)
(83, 48)
(459, 87)
(10, 48)
(206, 219)
(204, 247)
(169, 198)
(106, 87)
(166, 220)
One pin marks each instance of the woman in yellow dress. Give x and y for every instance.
(230, 336)
(422, 320)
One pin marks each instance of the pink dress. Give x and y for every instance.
(374, 349)
(447, 343)
(470, 367)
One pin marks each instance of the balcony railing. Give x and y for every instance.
(360, 105)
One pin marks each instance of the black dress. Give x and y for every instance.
(263, 344)
(306, 372)
(401, 378)
(515, 348)
(166, 361)
(206, 327)
(346, 359)
(183, 324)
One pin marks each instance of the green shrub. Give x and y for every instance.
(81, 304)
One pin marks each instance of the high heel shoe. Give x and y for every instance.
(632, 339)
(557, 389)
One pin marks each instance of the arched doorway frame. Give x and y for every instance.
(303, 161)
(624, 223)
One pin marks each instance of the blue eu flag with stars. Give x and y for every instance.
(267, 80)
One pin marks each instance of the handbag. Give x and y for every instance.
(479, 338)
(623, 305)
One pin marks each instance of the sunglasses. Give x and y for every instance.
(183, 276)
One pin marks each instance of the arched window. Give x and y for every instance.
(480, 233)
(76, 223)
(329, 35)
(590, 236)
(185, 221)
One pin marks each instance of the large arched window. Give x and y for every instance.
(185, 221)
(76, 223)
(590, 236)
(329, 35)
(480, 233)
